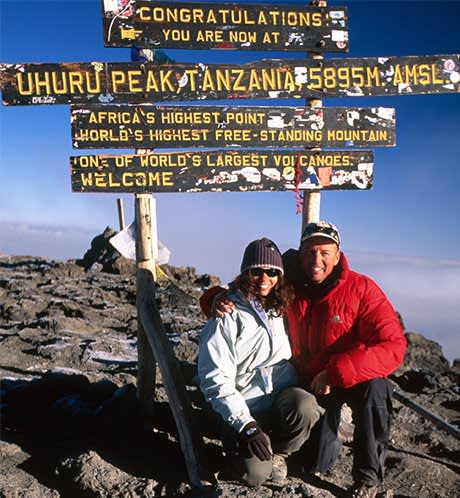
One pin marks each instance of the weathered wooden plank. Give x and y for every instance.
(138, 82)
(189, 438)
(224, 26)
(223, 171)
(147, 126)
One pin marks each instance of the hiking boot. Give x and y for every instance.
(279, 469)
(361, 490)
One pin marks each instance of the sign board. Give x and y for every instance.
(223, 171)
(125, 82)
(239, 26)
(148, 126)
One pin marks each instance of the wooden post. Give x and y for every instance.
(146, 367)
(413, 405)
(121, 213)
(311, 207)
(153, 343)
(146, 364)
(312, 200)
(173, 381)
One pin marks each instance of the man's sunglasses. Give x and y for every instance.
(270, 272)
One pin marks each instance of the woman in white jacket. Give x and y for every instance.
(246, 376)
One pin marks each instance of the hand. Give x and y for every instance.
(221, 305)
(321, 383)
(256, 441)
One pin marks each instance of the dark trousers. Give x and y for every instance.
(288, 424)
(372, 410)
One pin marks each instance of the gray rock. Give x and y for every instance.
(91, 476)
(424, 353)
(15, 482)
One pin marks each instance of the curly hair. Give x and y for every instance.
(277, 300)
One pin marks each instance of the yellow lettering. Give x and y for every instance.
(76, 82)
(122, 161)
(91, 162)
(211, 19)
(223, 80)
(243, 37)
(127, 179)
(86, 179)
(93, 118)
(144, 14)
(20, 84)
(210, 36)
(269, 79)
(45, 83)
(191, 78)
(182, 35)
(262, 19)
(289, 81)
(100, 179)
(134, 79)
(150, 117)
(208, 82)
(425, 74)
(151, 83)
(398, 77)
(373, 77)
(343, 76)
(329, 77)
(55, 83)
(231, 135)
(316, 19)
(254, 82)
(314, 80)
(118, 79)
(412, 74)
(357, 76)
(164, 81)
(435, 80)
(239, 75)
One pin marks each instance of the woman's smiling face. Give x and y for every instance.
(264, 280)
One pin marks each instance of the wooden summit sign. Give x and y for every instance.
(224, 26)
(122, 82)
(148, 126)
(223, 171)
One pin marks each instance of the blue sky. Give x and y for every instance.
(404, 232)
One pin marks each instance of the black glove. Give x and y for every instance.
(256, 441)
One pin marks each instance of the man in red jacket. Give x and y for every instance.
(346, 339)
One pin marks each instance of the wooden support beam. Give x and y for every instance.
(153, 344)
(172, 376)
(121, 213)
(416, 407)
(146, 367)
(311, 207)
(312, 200)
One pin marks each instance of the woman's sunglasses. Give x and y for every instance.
(258, 272)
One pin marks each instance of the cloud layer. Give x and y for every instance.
(51, 241)
(426, 292)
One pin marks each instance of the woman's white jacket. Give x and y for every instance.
(242, 362)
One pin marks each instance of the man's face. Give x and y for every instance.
(318, 257)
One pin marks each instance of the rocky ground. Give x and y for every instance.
(70, 421)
